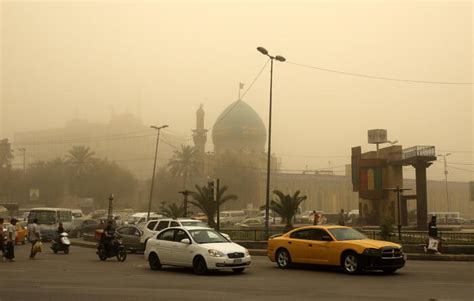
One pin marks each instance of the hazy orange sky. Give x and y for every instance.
(167, 57)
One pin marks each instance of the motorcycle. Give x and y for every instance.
(61, 244)
(115, 248)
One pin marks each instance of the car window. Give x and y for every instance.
(151, 225)
(301, 234)
(123, 230)
(317, 234)
(166, 235)
(134, 231)
(180, 235)
(174, 224)
(162, 225)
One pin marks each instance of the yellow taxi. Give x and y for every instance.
(336, 246)
(21, 233)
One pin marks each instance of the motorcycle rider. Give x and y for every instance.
(108, 236)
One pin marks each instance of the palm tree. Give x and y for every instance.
(204, 200)
(173, 210)
(184, 163)
(287, 206)
(80, 157)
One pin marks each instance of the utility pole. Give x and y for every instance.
(446, 178)
(214, 187)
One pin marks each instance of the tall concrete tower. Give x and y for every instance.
(200, 133)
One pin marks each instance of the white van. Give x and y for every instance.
(229, 218)
(141, 217)
(48, 220)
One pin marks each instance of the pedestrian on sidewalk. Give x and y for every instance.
(2, 237)
(315, 217)
(11, 237)
(342, 219)
(34, 235)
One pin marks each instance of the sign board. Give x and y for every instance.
(377, 136)
(34, 194)
(371, 178)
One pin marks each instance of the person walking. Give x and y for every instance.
(11, 237)
(315, 217)
(342, 220)
(34, 235)
(2, 237)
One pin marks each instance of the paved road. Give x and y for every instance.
(81, 276)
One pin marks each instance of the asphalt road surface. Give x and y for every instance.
(81, 276)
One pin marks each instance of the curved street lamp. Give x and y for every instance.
(279, 58)
(158, 128)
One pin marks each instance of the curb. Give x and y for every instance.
(262, 252)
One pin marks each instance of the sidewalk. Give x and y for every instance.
(261, 252)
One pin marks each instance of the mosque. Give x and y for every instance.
(239, 160)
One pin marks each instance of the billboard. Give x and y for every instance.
(34, 194)
(371, 178)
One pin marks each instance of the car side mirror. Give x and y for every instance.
(326, 238)
(186, 241)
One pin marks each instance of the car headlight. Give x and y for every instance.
(372, 252)
(247, 253)
(215, 253)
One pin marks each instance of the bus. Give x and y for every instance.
(49, 219)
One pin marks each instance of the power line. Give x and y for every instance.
(380, 77)
(458, 168)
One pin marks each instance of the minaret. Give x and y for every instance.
(200, 134)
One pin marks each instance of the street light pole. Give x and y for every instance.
(446, 178)
(154, 166)
(267, 196)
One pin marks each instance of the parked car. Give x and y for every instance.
(253, 222)
(229, 218)
(131, 238)
(141, 217)
(85, 226)
(154, 226)
(77, 213)
(337, 246)
(201, 248)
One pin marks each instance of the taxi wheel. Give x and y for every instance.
(283, 259)
(350, 263)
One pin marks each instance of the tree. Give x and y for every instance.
(80, 157)
(287, 206)
(204, 200)
(173, 210)
(184, 163)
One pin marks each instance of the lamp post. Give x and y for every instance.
(398, 190)
(110, 213)
(185, 193)
(267, 196)
(158, 128)
(446, 178)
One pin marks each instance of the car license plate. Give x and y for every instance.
(236, 261)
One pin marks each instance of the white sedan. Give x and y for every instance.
(201, 248)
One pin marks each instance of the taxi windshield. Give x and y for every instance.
(347, 234)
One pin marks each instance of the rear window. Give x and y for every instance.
(65, 216)
(151, 225)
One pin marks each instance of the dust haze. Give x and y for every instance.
(160, 60)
